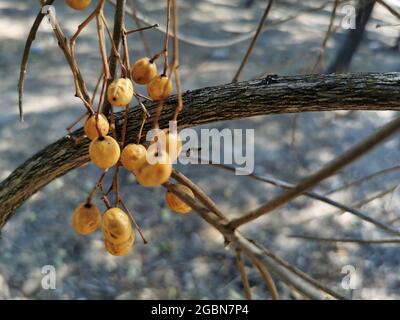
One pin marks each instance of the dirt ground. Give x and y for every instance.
(185, 258)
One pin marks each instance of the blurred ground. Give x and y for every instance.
(185, 258)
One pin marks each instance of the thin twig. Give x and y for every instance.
(296, 271)
(328, 34)
(310, 194)
(301, 282)
(363, 179)
(243, 275)
(175, 63)
(348, 240)
(219, 43)
(389, 8)
(119, 18)
(328, 170)
(25, 58)
(137, 227)
(253, 41)
(139, 25)
(266, 277)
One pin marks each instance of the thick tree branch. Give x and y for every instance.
(226, 102)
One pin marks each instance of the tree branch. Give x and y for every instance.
(328, 170)
(375, 91)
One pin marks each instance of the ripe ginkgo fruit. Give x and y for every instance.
(143, 71)
(86, 218)
(94, 124)
(132, 155)
(155, 169)
(170, 142)
(176, 204)
(78, 4)
(120, 92)
(120, 249)
(159, 88)
(104, 152)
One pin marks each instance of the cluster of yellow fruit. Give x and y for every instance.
(115, 224)
(152, 166)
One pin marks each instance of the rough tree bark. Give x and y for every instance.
(276, 95)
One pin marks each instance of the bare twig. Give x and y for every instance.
(253, 41)
(328, 170)
(347, 240)
(25, 58)
(119, 18)
(389, 8)
(363, 179)
(328, 34)
(219, 43)
(139, 25)
(266, 277)
(313, 195)
(243, 276)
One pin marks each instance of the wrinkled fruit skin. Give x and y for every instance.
(176, 204)
(132, 156)
(120, 92)
(78, 4)
(104, 152)
(86, 219)
(143, 71)
(91, 129)
(154, 170)
(170, 142)
(117, 227)
(120, 249)
(159, 88)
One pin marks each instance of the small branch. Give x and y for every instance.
(389, 8)
(363, 179)
(139, 25)
(25, 58)
(243, 276)
(312, 195)
(328, 170)
(348, 240)
(305, 277)
(127, 32)
(220, 43)
(310, 288)
(119, 18)
(266, 277)
(253, 41)
(326, 38)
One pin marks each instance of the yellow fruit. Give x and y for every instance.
(155, 169)
(170, 142)
(78, 4)
(117, 227)
(132, 155)
(86, 219)
(159, 88)
(143, 71)
(120, 92)
(91, 127)
(104, 152)
(176, 204)
(120, 249)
